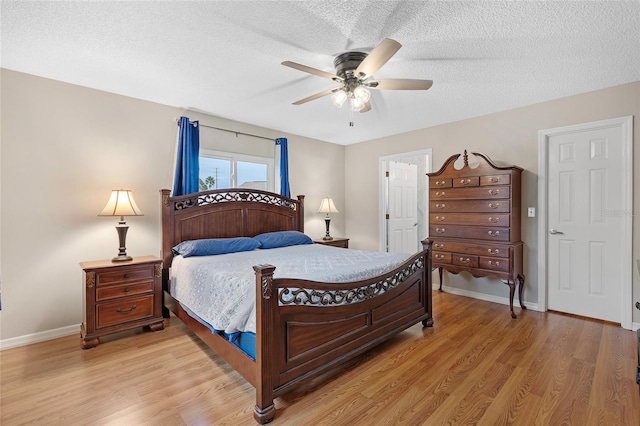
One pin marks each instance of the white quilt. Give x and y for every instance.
(221, 289)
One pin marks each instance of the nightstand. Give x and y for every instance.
(119, 296)
(336, 242)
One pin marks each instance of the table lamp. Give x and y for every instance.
(121, 203)
(327, 206)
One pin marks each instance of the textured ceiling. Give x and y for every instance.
(223, 57)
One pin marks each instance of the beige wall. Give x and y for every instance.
(509, 137)
(64, 148)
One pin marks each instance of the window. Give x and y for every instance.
(219, 170)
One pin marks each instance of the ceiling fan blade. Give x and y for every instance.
(314, 97)
(310, 70)
(366, 107)
(399, 84)
(378, 57)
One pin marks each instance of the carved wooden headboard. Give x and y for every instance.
(226, 213)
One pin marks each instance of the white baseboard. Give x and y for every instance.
(29, 339)
(490, 298)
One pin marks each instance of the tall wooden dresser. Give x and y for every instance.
(474, 221)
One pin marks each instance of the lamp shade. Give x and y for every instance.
(327, 206)
(121, 203)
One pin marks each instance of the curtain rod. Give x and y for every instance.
(230, 131)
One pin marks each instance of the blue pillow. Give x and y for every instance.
(215, 246)
(282, 239)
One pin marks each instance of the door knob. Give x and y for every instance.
(553, 231)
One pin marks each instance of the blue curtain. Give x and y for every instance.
(284, 167)
(187, 158)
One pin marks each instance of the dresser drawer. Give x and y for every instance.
(494, 264)
(466, 181)
(470, 248)
(470, 206)
(495, 180)
(440, 183)
(122, 275)
(464, 260)
(496, 219)
(472, 232)
(477, 193)
(125, 310)
(441, 257)
(112, 292)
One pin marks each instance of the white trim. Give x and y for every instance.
(382, 168)
(486, 297)
(42, 336)
(626, 129)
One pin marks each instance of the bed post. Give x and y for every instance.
(166, 219)
(426, 245)
(301, 213)
(167, 226)
(266, 302)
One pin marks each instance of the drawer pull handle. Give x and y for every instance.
(494, 191)
(122, 311)
(494, 252)
(494, 206)
(439, 218)
(127, 290)
(126, 275)
(492, 263)
(463, 260)
(440, 193)
(440, 182)
(440, 205)
(440, 230)
(465, 181)
(438, 246)
(439, 256)
(495, 179)
(494, 219)
(494, 233)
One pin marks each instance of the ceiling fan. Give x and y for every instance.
(353, 74)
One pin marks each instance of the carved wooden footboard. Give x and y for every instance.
(303, 328)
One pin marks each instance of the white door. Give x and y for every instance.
(585, 202)
(403, 207)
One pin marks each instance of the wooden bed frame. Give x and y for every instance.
(295, 341)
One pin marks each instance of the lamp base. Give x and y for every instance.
(122, 237)
(327, 220)
(121, 258)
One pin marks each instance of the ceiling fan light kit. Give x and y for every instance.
(353, 73)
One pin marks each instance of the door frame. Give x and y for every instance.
(382, 188)
(626, 129)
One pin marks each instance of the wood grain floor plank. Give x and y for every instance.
(475, 366)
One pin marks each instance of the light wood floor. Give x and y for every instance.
(475, 366)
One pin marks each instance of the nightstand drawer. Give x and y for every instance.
(111, 292)
(125, 275)
(122, 311)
